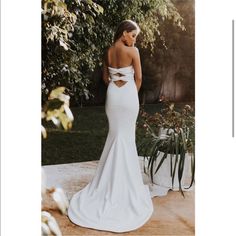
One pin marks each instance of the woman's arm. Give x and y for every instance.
(106, 76)
(137, 67)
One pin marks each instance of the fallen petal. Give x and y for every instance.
(48, 219)
(45, 229)
(45, 215)
(63, 196)
(53, 226)
(60, 202)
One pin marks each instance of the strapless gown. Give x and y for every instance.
(116, 199)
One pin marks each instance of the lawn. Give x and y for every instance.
(85, 141)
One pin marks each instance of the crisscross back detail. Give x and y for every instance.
(126, 73)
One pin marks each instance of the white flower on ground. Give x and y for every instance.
(68, 112)
(61, 199)
(50, 221)
(45, 229)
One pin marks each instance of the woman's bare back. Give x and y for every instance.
(119, 57)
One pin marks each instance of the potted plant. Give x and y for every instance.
(168, 147)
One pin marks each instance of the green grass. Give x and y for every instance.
(85, 141)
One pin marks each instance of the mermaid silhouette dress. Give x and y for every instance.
(116, 199)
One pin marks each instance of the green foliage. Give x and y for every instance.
(75, 35)
(149, 14)
(58, 22)
(62, 63)
(170, 132)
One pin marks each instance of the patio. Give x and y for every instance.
(173, 214)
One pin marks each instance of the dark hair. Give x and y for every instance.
(126, 25)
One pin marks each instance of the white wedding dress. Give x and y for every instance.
(116, 199)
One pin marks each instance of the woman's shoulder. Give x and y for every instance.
(130, 51)
(110, 49)
(133, 51)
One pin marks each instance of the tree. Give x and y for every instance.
(60, 61)
(75, 35)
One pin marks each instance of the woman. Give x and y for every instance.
(116, 199)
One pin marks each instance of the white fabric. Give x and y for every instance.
(116, 199)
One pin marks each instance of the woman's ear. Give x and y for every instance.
(124, 33)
